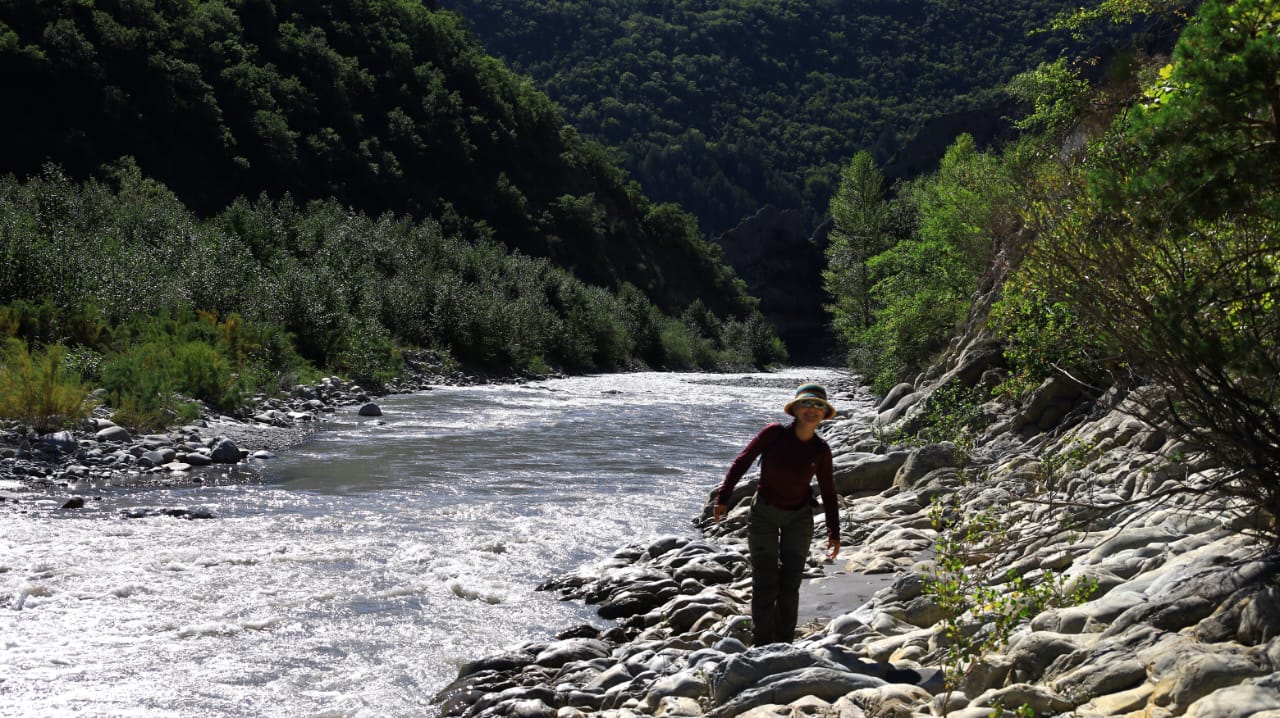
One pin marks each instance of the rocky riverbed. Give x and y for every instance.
(1183, 617)
(65, 470)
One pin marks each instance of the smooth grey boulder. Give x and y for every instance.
(1032, 653)
(628, 603)
(112, 433)
(1184, 677)
(63, 442)
(867, 473)
(899, 410)
(705, 571)
(1256, 698)
(893, 396)
(370, 409)
(571, 649)
(1108, 674)
(507, 661)
(746, 669)
(1039, 699)
(924, 460)
(157, 457)
(685, 684)
(827, 684)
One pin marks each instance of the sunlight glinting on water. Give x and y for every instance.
(367, 564)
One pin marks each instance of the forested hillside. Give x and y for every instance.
(206, 202)
(382, 106)
(725, 107)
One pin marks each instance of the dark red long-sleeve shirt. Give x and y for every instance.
(789, 464)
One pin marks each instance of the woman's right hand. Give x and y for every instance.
(717, 511)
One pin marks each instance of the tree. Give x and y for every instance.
(860, 215)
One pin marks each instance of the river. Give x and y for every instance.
(360, 569)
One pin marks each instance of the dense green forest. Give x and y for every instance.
(724, 107)
(381, 106)
(1130, 240)
(207, 201)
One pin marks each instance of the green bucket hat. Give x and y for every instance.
(815, 392)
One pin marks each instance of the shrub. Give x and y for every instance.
(161, 362)
(981, 607)
(150, 381)
(1042, 336)
(677, 345)
(36, 388)
(43, 322)
(367, 354)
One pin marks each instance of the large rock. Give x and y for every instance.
(924, 460)
(825, 683)
(571, 649)
(1049, 403)
(861, 474)
(1252, 699)
(894, 396)
(112, 433)
(705, 572)
(63, 442)
(1032, 653)
(225, 451)
(1184, 676)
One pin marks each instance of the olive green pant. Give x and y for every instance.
(779, 544)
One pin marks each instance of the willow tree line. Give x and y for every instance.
(117, 286)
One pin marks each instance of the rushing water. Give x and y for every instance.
(367, 564)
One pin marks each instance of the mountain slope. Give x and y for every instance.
(384, 106)
(725, 107)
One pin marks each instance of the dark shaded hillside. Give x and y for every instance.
(383, 106)
(725, 107)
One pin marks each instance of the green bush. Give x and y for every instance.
(43, 322)
(677, 345)
(367, 354)
(1042, 336)
(160, 363)
(982, 606)
(150, 381)
(36, 388)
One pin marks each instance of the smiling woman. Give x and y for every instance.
(780, 524)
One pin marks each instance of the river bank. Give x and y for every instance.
(64, 470)
(1177, 616)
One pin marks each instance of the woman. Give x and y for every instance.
(780, 525)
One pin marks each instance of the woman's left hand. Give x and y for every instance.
(834, 546)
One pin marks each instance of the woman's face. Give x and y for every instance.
(810, 412)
